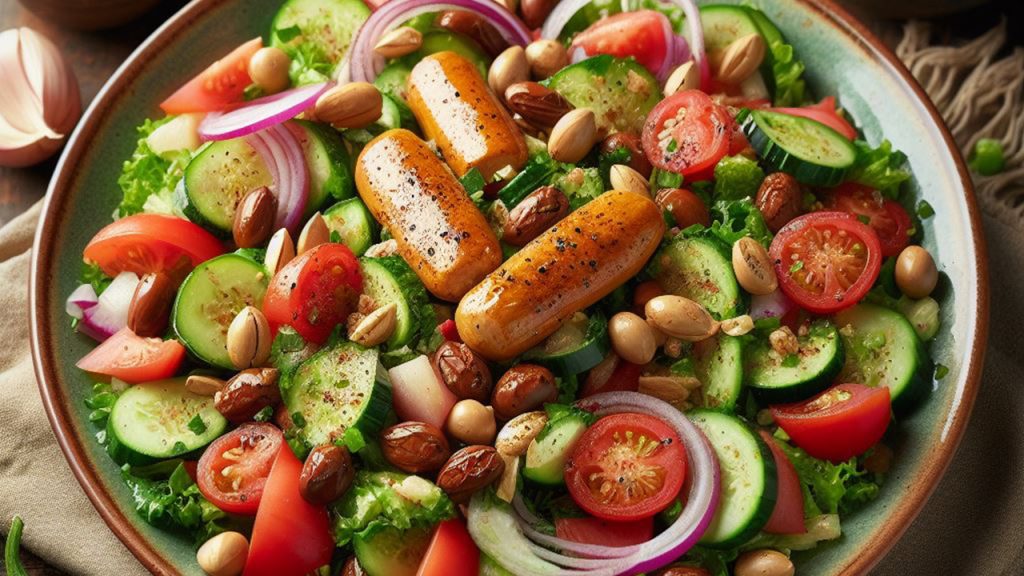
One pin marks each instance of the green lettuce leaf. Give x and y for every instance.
(580, 185)
(881, 168)
(380, 500)
(737, 177)
(831, 488)
(148, 179)
(790, 89)
(175, 503)
(732, 220)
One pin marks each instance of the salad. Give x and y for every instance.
(439, 288)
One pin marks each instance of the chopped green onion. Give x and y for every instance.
(13, 546)
(925, 210)
(264, 415)
(987, 157)
(796, 267)
(941, 371)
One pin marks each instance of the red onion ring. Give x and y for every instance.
(774, 305)
(80, 300)
(696, 29)
(260, 113)
(110, 312)
(283, 155)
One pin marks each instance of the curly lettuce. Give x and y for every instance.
(174, 503)
(148, 179)
(379, 500)
(881, 168)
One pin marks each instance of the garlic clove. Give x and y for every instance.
(21, 108)
(52, 81)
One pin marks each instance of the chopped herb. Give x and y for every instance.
(925, 210)
(288, 34)
(335, 237)
(941, 371)
(665, 179)
(473, 181)
(767, 324)
(264, 415)
(298, 420)
(796, 267)
(791, 361)
(353, 440)
(987, 157)
(866, 220)
(196, 424)
(179, 447)
(672, 145)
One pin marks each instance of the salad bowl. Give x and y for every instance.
(842, 58)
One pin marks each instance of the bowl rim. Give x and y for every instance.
(60, 415)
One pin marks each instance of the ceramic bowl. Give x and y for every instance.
(89, 14)
(842, 58)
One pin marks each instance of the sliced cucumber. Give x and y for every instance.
(579, 345)
(748, 481)
(699, 269)
(328, 162)
(724, 24)
(352, 220)
(774, 378)
(321, 30)
(718, 363)
(218, 178)
(341, 387)
(388, 551)
(620, 92)
(159, 420)
(437, 41)
(882, 349)
(548, 452)
(208, 301)
(390, 280)
(393, 78)
(808, 150)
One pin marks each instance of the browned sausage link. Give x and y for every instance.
(456, 110)
(439, 230)
(571, 266)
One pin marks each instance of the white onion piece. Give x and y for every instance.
(418, 393)
(774, 305)
(81, 298)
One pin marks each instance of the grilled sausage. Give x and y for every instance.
(567, 268)
(456, 110)
(439, 230)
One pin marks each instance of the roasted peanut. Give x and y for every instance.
(254, 218)
(515, 436)
(326, 475)
(415, 447)
(625, 178)
(741, 59)
(507, 69)
(916, 274)
(268, 69)
(637, 158)
(376, 327)
(280, 251)
(546, 57)
(204, 385)
(469, 470)
(352, 105)
(738, 326)
(680, 318)
(399, 42)
(685, 207)
(632, 338)
(248, 338)
(523, 388)
(150, 307)
(753, 267)
(313, 234)
(536, 213)
(763, 563)
(779, 199)
(463, 372)
(573, 136)
(471, 422)
(224, 554)
(684, 77)
(246, 393)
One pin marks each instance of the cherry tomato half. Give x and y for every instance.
(233, 470)
(642, 34)
(134, 359)
(626, 467)
(144, 243)
(697, 135)
(452, 552)
(217, 87)
(888, 219)
(588, 530)
(788, 515)
(826, 261)
(838, 424)
(315, 292)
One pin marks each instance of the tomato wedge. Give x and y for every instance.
(838, 424)
(144, 243)
(315, 292)
(626, 467)
(826, 261)
(826, 113)
(888, 219)
(642, 34)
(134, 359)
(788, 515)
(687, 133)
(588, 530)
(452, 552)
(613, 374)
(234, 469)
(291, 537)
(222, 84)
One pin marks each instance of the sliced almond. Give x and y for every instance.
(741, 59)
(204, 385)
(399, 42)
(248, 338)
(313, 234)
(506, 489)
(573, 136)
(684, 77)
(376, 327)
(280, 251)
(625, 178)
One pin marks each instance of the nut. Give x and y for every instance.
(326, 474)
(268, 68)
(415, 447)
(352, 568)
(204, 385)
(546, 57)
(685, 207)
(625, 178)
(399, 42)
(352, 105)
(463, 371)
(738, 326)
(573, 136)
(764, 563)
(249, 339)
(784, 342)
(685, 77)
(680, 571)
(680, 318)
(376, 327)
(779, 199)
(632, 338)
(536, 213)
(637, 158)
(150, 307)
(507, 69)
(224, 554)
(469, 470)
(388, 247)
(254, 218)
(313, 234)
(537, 104)
(506, 489)
(474, 27)
(753, 267)
(535, 12)
(741, 59)
(515, 436)
(280, 251)
(916, 274)
(523, 388)
(246, 393)
(471, 422)
(672, 389)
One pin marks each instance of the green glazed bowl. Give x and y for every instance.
(842, 58)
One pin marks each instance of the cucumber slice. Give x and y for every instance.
(620, 92)
(699, 269)
(808, 150)
(393, 78)
(210, 298)
(882, 349)
(718, 363)
(390, 280)
(548, 452)
(434, 42)
(579, 345)
(340, 388)
(748, 482)
(352, 220)
(328, 162)
(325, 29)
(158, 420)
(775, 379)
(389, 551)
(218, 178)
(724, 24)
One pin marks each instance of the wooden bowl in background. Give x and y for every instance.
(89, 14)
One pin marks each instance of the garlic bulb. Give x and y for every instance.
(39, 99)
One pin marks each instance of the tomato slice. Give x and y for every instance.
(838, 424)
(222, 84)
(626, 467)
(642, 34)
(144, 243)
(826, 261)
(588, 530)
(291, 537)
(452, 552)
(233, 470)
(134, 359)
(315, 292)
(687, 133)
(788, 515)
(613, 374)
(888, 219)
(826, 113)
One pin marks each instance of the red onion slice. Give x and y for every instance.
(283, 155)
(260, 113)
(696, 29)
(80, 300)
(774, 305)
(110, 313)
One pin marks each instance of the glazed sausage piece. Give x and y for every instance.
(567, 268)
(439, 230)
(456, 110)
